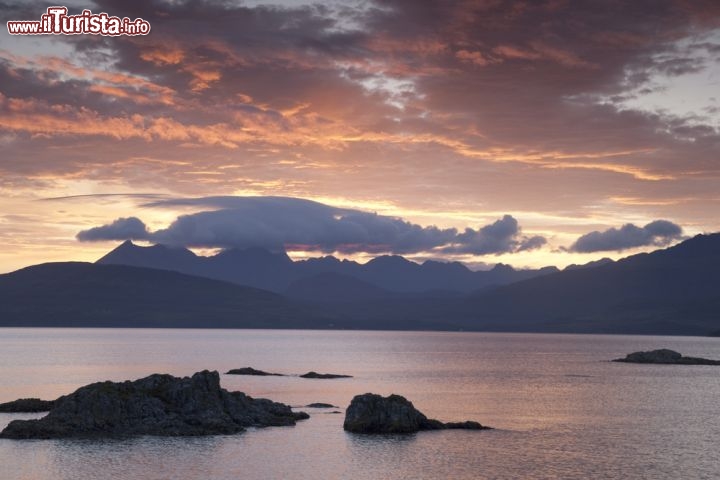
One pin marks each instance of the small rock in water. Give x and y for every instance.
(324, 375)
(665, 356)
(466, 425)
(371, 413)
(252, 371)
(320, 405)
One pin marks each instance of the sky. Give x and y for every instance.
(530, 133)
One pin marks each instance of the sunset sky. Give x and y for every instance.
(530, 133)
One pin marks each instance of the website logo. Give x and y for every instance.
(57, 22)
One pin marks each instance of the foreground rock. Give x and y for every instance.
(665, 357)
(252, 371)
(27, 405)
(371, 413)
(324, 375)
(154, 405)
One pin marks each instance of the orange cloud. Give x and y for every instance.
(476, 58)
(418, 46)
(511, 52)
(37, 117)
(563, 57)
(129, 94)
(163, 55)
(203, 78)
(541, 51)
(116, 84)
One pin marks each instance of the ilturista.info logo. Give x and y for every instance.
(56, 21)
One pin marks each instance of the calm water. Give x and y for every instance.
(559, 408)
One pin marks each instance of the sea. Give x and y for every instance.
(558, 407)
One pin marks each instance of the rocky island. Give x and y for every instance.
(665, 356)
(261, 373)
(323, 375)
(372, 413)
(161, 405)
(252, 371)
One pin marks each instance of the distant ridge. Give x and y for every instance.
(257, 267)
(675, 291)
(89, 295)
(670, 291)
(595, 263)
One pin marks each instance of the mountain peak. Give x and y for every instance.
(390, 260)
(155, 256)
(125, 246)
(502, 267)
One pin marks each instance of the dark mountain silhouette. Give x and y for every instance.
(595, 263)
(257, 267)
(160, 256)
(85, 294)
(336, 288)
(254, 267)
(671, 291)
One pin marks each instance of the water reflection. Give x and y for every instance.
(561, 409)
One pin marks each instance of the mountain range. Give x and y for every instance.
(670, 291)
(307, 279)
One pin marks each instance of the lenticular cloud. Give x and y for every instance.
(279, 222)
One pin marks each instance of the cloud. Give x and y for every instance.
(131, 228)
(411, 101)
(657, 233)
(531, 243)
(279, 223)
(502, 236)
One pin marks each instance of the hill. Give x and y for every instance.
(88, 295)
(671, 291)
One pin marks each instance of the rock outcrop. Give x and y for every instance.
(252, 371)
(155, 405)
(466, 425)
(323, 375)
(665, 357)
(371, 413)
(27, 405)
